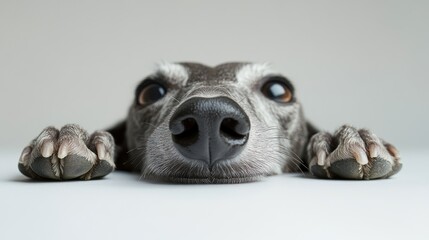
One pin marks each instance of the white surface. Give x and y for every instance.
(288, 206)
(362, 62)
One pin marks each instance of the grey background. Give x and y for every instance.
(358, 62)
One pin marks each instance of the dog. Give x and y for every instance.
(191, 123)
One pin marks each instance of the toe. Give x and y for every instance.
(102, 168)
(395, 169)
(24, 163)
(319, 171)
(378, 168)
(44, 168)
(346, 169)
(75, 166)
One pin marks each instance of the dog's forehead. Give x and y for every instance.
(191, 73)
(225, 72)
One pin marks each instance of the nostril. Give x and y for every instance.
(209, 129)
(185, 132)
(232, 131)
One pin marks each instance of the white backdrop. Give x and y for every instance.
(361, 62)
(358, 62)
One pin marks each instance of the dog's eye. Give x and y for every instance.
(151, 93)
(277, 91)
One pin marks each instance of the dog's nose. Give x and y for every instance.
(210, 129)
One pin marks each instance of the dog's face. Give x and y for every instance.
(236, 122)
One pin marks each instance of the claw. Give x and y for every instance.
(47, 149)
(374, 151)
(321, 157)
(101, 151)
(63, 151)
(360, 156)
(393, 151)
(24, 155)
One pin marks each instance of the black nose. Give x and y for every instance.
(210, 129)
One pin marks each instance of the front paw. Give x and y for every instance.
(69, 153)
(352, 154)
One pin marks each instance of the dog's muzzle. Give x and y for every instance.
(209, 129)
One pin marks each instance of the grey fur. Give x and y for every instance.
(280, 139)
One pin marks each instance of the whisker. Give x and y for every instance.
(149, 124)
(241, 100)
(294, 158)
(175, 99)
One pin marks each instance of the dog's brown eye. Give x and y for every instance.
(151, 93)
(277, 91)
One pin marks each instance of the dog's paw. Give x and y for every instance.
(69, 153)
(352, 154)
